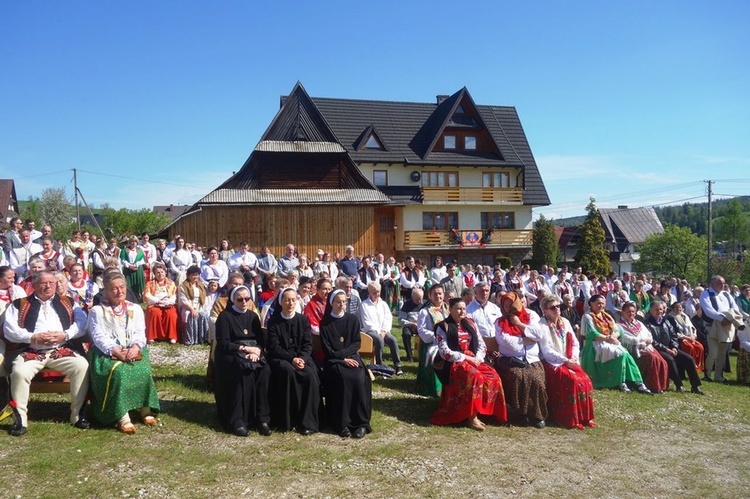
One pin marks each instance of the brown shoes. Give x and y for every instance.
(126, 428)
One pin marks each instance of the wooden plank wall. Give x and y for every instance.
(330, 228)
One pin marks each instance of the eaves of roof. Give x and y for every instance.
(292, 196)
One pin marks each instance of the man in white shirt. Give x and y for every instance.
(245, 262)
(376, 321)
(33, 233)
(723, 318)
(19, 257)
(267, 264)
(482, 311)
(288, 262)
(43, 324)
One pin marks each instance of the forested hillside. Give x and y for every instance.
(694, 216)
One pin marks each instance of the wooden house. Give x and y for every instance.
(8, 201)
(447, 178)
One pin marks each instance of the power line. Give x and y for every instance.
(41, 174)
(136, 179)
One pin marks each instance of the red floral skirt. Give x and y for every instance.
(654, 370)
(570, 396)
(472, 390)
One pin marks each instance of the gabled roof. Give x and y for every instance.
(299, 120)
(410, 130)
(171, 211)
(8, 200)
(626, 226)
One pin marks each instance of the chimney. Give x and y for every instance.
(441, 98)
(622, 207)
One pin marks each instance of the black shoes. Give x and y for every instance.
(679, 389)
(264, 430)
(624, 388)
(345, 433)
(241, 431)
(399, 372)
(82, 423)
(359, 432)
(305, 432)
(538, 424)
(697, 390)
(16, 430)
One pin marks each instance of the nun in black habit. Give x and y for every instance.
(242, 374)
(294, 376)
(348, 385)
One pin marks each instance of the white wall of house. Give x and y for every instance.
(400, 174)
(469, 217)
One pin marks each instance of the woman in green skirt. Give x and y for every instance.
(120, 370)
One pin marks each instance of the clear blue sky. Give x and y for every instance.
(631, 102)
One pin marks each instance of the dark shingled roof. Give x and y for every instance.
(629, 225)
(410, 130)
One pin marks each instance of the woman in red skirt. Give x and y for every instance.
(470, 387)
(637, 338)
(160, 297)
(569, 388)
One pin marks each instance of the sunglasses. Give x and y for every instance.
(552, 307)
(241, 299)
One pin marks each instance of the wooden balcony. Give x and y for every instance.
(436, 239)
(471, 195)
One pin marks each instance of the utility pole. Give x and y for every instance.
(78, 209)
(710, 230)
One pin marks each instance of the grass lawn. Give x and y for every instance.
(673, 445)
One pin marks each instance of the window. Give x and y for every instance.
(496, 179)
(372, 143)
(439, 179)
(470, 143)
(503, 220)
(449, 141)
(438, 220)
(387, 224)
(380, 178)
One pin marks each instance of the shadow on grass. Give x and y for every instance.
(192, 381)
(193, 411)
(413, 411)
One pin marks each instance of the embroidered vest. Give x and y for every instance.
(28, 311)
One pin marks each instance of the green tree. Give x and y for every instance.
(544, 244)
(124, 222)
(591, 255)
(732, 227)
(676, 252)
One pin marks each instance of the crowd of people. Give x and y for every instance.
(517, 346)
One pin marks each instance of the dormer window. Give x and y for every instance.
(372, 143)
(449, 141)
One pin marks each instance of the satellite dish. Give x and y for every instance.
(416, 176)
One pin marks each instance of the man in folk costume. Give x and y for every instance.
(53, 259)
(43, 325)
(365, 275)
(149, 251)
(723, 318)
(19, 257)
(410, 278)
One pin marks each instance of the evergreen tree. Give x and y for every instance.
(544, 244)
(591, 255)
(733, 227)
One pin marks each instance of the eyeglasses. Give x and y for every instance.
(552, 307)
(241, 299)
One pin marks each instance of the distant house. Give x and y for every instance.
(447, 178)
(171, 211)
(8, 200)
(624, 228)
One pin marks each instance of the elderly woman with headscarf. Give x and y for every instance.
(569, 388)
(470, 387)
(242, 375)
(605, 360)
(295, 378)
(348, 385)
(518, 335)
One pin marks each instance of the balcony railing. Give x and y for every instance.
(471, 195)
(444, 239)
